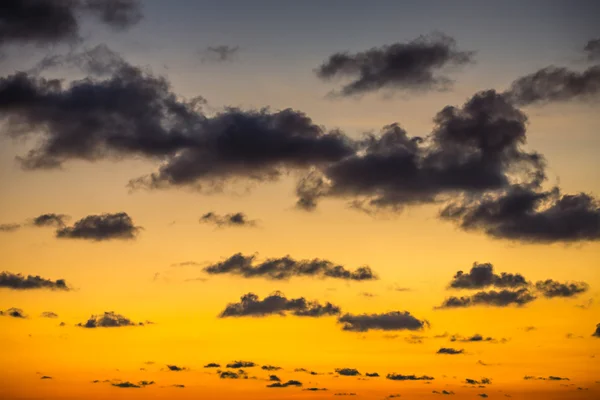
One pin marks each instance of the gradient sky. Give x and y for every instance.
(413, 252)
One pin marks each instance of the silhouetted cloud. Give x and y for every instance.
(46, 377)
(212, 365)
(178, 386)
(235, 219)
(109, 319)
(54, 220)
(493, 298)
(446, 392)
(30, 282)
(449, 350)
(475, 338)
(101, 227)
(49, 314)
(597, 331)
(416, 65)
(221, 53)
(176, 368)
(306, 370)
(274, 378)
(270, 368)
(347, 371)
(551, 288)
(400, 377)
(126, 385)
(314, 389)
(556, 84)
(485, 396)
(284, 385)
(482, 381)
(592, 48)
(13, 312)
(372, 374)
(278, 304)
(9, 227)
(241, 364)
(482, 275)
(230, 375)
(44, 22)
(549, 378)
(344, 394)
(390, 321)
(521, 213)
(286, 267)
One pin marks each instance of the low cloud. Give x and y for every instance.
(176, 368)
(221, 53)
(284, 385)
(400, 377)
(9, 227)
(449, 350)
(597, 331)
(372, 374)
(251, 305)
(109, 319)
(101, 227)
(391, 321)
(270, 368)
(347, 371)
(241, 364)
(482, 381)
(475, 338)
(491, 298)
(286, 267)
(49, 314)
(212, 365)
(549, 378)
(13, 312)
(54, 220)
(238, 219)
(446, 392)
(30, 282)
(482, 275)
(550, 288)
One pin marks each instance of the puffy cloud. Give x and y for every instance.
(390, 321)
(109, 319)
(30, 282)
(101, 227)
(493, 298)
(278, 304)
(551, 288)
(241, 364)
(347, 371)
(55, 220)
(416, 65)
(286, 267)
(482, 275)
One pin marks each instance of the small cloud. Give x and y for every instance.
(241, 364)
(176, 368)
(53, 220)
(251, 305)
(13, 312)
(449, 350)
(482, 381)
(400, 377)
(101, 227)
(9, 227)
(46, 377)
(212, 365)
(394, 320)
(221, 53)
(284, 385)
(372, 374)
(550, 288)
(347, 371)
(597, 331)
(238, 219)
(109, 319)
(49, 314)
(270, 368)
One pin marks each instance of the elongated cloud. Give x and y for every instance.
(391, 321)
(101, 227)
(109, 319)
(347, 371)
(286, 384)
(400, 377)
(13, 312)
(251, 305)
(241, 364)
(49, 314)
(286, 267)
(482, 275)
(54, 220)
(416, 65)
(491, 298)
(450, 350)
(9, 227)
(30, 282)
(551, 288)
(235, 219)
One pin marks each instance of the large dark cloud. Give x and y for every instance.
(52, 219)
(286, 267)
(30, 282)
(502, 298)
(45, 22)
(416, 65)
(391, 321)
(101, 227)
(592, 48)
(234, 219)
(551, 288)
(277, 304)
(13, 312)
(524, 214)
(400, 377)
(109, 319)
(482, 275)
(556, 84)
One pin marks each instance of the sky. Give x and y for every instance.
(299, 200)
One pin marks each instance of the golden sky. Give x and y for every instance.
(118, 287)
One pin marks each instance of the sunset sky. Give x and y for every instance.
(299, 199)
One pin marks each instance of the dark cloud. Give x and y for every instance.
(286, 384)
(305, 370)
(101, 227)
(475, 338)
(126, 385)
(472, 149)
(30, 282)
(347, 371)
(46, 377)
(274, 378)
(176, 368)
(550, 288)
(270, 368)
(44, 22)
(592, 48)
(483, 381)
(372, 374)
(314, 389)
(278, 304)
(179, 386)
(230, 375)
(597, 331)
(482, 275)
(241, 364)
(541, 378)
(556, 84)
(286, 267)
(416, 65)
(391, 321)
(109, 319)
(446, 392)
(235, 219)
(212, 365)
(96, 61)
(54, 220)
(400, 377)
(345, 394)
(9, 227)
(220, 53)
(491, 298)
(485, 396)
(13, 312)
(49, 314)
(527, 215)
(449, 350)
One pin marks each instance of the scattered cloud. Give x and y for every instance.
(550, 288)
(101, 227)
(30, 282)
(449, 350)
(54, 220)
(286, 267)
(482, 381)
(109, 319)
(415, 66)
(212, 365)
(236, 219)
(549, 378)
(597, 331)
(446, 392)
(9, 227)
(372, 374)
(390, 321)
(49, 314)
(176, 368)
(347, 371)
(482, 275)
(592, 48)
(277, 304)
(241, 364)
(221, 53)
(491, 298)
(400, 377)
(46, 377)
(270, 368)
(13, 312)
(285, 384)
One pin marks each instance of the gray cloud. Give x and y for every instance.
(592, 48)
(475, 338)
(119, 14)
(212, 365)
(13, 312)
(286, 267)
(101, 227)
(277, 304)
(347, 371)
(597, 331)
(372, 374)
(391, 321)
(482, 275)
(241, 364)
(483, 381)
(221, 53)
(549, 378)
(109, 319)
(415, 66)
(284, 385)
(54, 220)
(234, 219)
(49, 314)
(400, 377)
(551, 288)
(9, 227)
(176, 368)
(449, 350)
(446, 392)
(491, 298)
(270, 367)
(30, 282)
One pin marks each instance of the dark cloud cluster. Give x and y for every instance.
(44, 22)
(109, 319)
(285, 384)
(502, 298)
(30, 282)
(390, 321)
(450, 350)
(482, 275)
(400, 377)
(286, 267)
(551, 288)
(347, 371)
(234, 219)
(277, 304)
(13, 312)
(101, 227)
(416, 65)
(221, 53)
